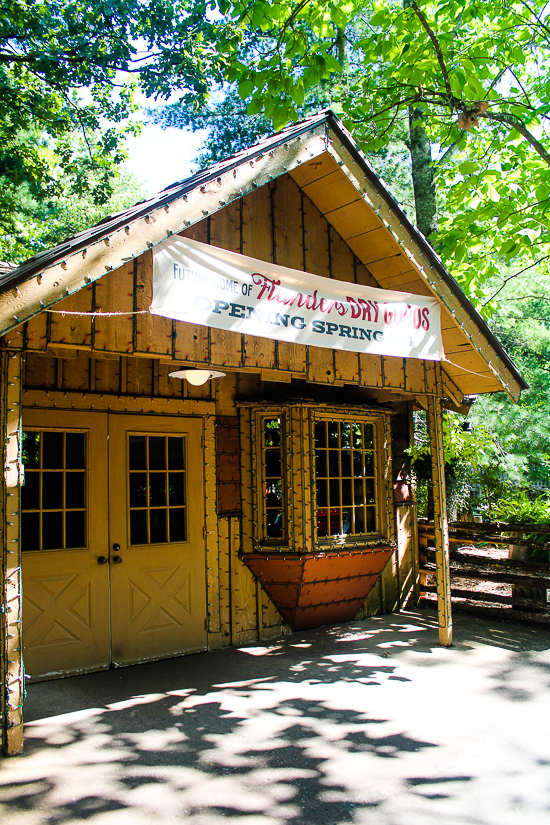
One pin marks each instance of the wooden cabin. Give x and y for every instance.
(146, 515)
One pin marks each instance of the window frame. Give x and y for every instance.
(299, 488)
(381, 459)
(261, 539)
(27, 428)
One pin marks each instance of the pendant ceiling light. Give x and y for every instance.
(197, 377)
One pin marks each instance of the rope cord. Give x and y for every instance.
(97, 312)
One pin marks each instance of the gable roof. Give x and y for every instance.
(322, 157)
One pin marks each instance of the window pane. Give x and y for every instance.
(52, 451)
(176, 489)
(157, 489)
(75, 492)
(274, 493)
(360, 520)
(138, 460)
(321, 493)
(158, 526)
(321, 463)
(369, 439)
(30, 498)
(138, 527)
(333, 434)
(274, 523)
(75, 448)
(346, 521)
(157, 457)
(333, 463)
(75, 529)
(175, 453)
(358, 491)
(52, 531)
(346, 491)
(52, 491)
(272, 432)
(357, 430)
(177, 524)
(369, 491)
(334, 493)
(345, 435)
(320, 434)
(138, 489)
(272, 464)
(357, 463)
(371, 520)
(31, 449)
(345, 459)
(30, 531)
(369, 464)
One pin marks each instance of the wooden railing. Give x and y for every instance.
(490, 574)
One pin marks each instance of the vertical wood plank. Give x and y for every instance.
(115, 293)
(224, 581)
(76, 373)
(247, 481)
(37, 332)
(370, 370)
(225, 233)
(320, 365)
(363, 275)
(40, 371)
(289, 251)
(73, 329)
(415, 376)
(272, 623)
(107, 375)
(394, 372)
(257, 242)
(316, 236)
(243, 592)
(139, 376)
(435, 430)
(11, 658)
(320, 360)
(154, 333)
(211, 535)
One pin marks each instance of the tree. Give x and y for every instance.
(69, 71)
(475, 72)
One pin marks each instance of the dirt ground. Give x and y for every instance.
(368, 722)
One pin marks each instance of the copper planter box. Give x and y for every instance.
(318, 588)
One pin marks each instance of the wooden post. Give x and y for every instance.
(435, 430)
(11, 658)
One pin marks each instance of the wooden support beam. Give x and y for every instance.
(435, 429)
(11, 653)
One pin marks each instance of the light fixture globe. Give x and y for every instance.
(197, 377)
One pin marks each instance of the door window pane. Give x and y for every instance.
(157, 479)
(53, 501)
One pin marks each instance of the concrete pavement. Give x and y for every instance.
(369, 722)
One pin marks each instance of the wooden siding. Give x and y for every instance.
(276, 223)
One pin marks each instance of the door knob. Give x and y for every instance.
(117, 559)
(102, 560)
(116, 547)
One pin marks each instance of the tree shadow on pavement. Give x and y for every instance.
(348, 724)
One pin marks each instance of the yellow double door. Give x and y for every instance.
(112, 517)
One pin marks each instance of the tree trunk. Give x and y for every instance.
(422, 173)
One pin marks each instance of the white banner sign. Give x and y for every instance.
(203, 284)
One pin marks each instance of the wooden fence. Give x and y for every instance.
(491, 572)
